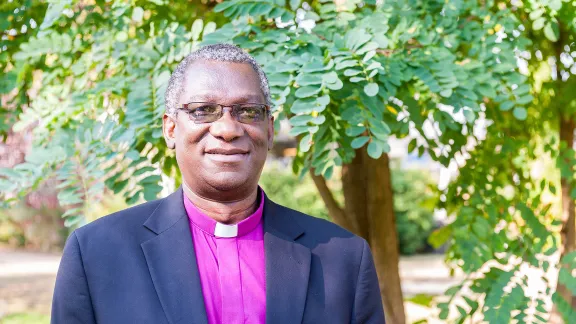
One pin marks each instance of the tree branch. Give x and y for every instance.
(334, 210)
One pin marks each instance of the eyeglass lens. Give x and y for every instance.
(210, 112)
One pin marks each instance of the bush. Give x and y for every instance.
(414, 201)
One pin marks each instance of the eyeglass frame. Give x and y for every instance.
(184, 107)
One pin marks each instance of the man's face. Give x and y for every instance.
(224, 155)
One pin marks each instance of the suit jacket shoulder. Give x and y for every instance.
(323, 236)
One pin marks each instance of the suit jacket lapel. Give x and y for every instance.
(172, 262)
(287, 266)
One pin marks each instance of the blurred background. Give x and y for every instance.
(440, 131)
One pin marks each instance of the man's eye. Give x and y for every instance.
(250, 112)
(205, 110)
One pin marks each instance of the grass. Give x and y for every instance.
(25, 318)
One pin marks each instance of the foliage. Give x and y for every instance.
(101, 76)
(413, 194)
(90, 80)
(505, 201)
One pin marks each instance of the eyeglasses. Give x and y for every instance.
(207, 112)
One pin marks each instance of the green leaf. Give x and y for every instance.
(295, 4)
(311, 15)
(370, 46)
(352, 72)
(143, 170)
(330, 77)
(137, 14)
(379, 128)
(151, 179)
(345, 64)
(119, 186)
(297, 130)
(486, 90)
(503, 67)
(279, 79)
(307, 91)
(197, 28)
(506, 105)
(260, 9)
(555, 5)
(371, 89)
(305, 143)
(446, 93)
(319, 120)
(151, 192)
(314, 66)
(305, 106)
(354, 131)
(552, 31)
(224, 5)
(305, 79)
(536, 13)
(422, 299)
(374, 150)
(300, 120)
(359, 142)
(538, 23)
(440, 236)
(520, 113)
(444, 310)
(209, 28)
(526, 99)
(336, 85)
(323, 100)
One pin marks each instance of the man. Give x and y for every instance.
(217, 250)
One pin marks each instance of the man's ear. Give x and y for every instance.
(168, 130)
(270, 132)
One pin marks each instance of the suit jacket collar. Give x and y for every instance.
(172, 262)
(287, 265)
(173, 266)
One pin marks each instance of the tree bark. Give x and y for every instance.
(383, 236)
(567, 126)
(568, 232)
(369, 213)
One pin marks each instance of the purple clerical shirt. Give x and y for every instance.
(232, 266)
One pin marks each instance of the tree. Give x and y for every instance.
(347, 74)
(503, 194)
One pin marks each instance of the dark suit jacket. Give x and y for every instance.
(139, 266)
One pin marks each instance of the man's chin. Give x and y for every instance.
(228, 181)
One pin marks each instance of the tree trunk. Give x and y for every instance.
(383, 236)
(568, 232)
(567, 126)
(369, 212)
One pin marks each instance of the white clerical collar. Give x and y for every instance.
(223, 230)
(212, 227)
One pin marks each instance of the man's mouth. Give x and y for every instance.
(227, 155)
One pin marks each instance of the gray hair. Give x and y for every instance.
(216, 52)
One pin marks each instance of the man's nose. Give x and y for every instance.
(227, 128)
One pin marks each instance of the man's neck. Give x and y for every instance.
(229, 212)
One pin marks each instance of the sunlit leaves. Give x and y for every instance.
(371, 89)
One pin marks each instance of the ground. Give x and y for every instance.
(27, 281)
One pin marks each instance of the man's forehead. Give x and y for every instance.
(221, 82)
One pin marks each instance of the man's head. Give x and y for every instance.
(219, 157)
